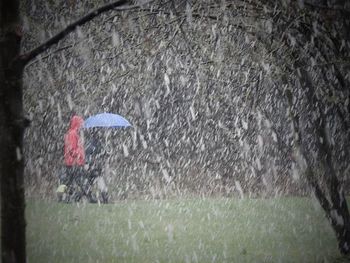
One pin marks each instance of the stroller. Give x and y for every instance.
(89, 187)
(87, 183)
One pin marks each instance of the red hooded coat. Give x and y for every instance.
(74, 154)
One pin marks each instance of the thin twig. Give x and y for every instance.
(50, 54)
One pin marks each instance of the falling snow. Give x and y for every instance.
(224, 103)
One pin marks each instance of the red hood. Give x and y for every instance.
(76, 122)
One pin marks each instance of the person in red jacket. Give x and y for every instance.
(74, 154)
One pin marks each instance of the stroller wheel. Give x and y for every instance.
(92, 199)
(104, 196)
(77, 197)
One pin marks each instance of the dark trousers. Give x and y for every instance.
(74, 171)
(75, 175)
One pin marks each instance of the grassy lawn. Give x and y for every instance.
(194, 230)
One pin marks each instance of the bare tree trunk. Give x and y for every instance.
(12, 127)
(337, 210)
(325, 184)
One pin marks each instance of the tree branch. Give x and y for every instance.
(25, 58)
(48, 55)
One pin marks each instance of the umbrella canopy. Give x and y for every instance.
(108, 120)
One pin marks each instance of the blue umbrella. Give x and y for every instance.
(108, 120)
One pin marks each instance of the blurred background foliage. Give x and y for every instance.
(203, 84)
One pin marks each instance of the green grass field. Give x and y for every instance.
(194, 230)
